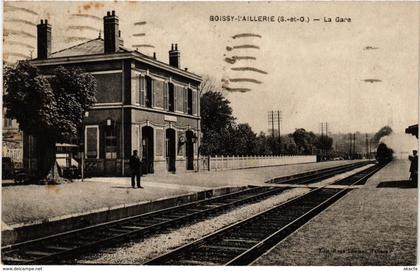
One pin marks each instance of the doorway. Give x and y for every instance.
(189, 149)
(170, 150)
(148, 149)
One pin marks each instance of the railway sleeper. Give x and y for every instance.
(191, 262)
(242, 245)
(222, 248)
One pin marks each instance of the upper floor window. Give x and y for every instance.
(149, 92)
(169, 97)
(146, 91)
(142, 90)
(188, 101)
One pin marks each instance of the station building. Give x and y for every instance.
(142, 104)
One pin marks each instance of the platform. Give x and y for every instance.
(24, 204)
(373, 225)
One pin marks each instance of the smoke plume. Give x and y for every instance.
(402, 144)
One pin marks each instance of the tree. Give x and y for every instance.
(324, 143)
(304, 140)
(50, 108)
(243, 141)
(216, 118)
(209, 84)
(262, 147)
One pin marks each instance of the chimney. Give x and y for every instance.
(43, 39)
(111, 33)
(174, 56)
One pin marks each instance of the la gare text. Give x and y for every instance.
(277, 19)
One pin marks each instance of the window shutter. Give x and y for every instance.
(175, 89)
(185, 100)
(152, 92)
(194, 102)
(142, 90)
(165, 96)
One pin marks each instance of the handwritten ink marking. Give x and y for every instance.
(87, 16)
(244, 46)
(14, 8)
(19, 43)
(8, 32)
(246, 35)
(236, 89)
(248, 69)
(143, 45)
(140, 23)
(233, 59)
(13, 20)
(250, 80)
(82, 27)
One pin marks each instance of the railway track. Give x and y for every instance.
(245, 241)
(361, 176)
(317, 175)
(58, 247)
(68, 245)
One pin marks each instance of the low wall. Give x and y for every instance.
(21, 233)
(217, 163)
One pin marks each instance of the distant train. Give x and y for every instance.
(384, 155)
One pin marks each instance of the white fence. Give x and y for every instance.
(217, 163)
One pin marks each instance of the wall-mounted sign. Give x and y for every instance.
(170, 118)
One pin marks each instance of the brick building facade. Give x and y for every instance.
(142, 104)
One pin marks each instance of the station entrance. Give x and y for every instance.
(170, 150)
(148, 149)
(189, 149)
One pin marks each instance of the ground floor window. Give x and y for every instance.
(92, 141)
(110, 143)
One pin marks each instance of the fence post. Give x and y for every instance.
(208, 162)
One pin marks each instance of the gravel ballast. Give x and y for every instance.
(139, 252)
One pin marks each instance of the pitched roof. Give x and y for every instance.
(96, 47)
(91, 47)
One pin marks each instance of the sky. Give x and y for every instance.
(312, 71)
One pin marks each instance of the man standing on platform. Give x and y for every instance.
(414, 166)
(135, 167)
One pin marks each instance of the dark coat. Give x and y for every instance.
(135, 163)
(414, 163)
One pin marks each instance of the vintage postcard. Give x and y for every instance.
(209, 133)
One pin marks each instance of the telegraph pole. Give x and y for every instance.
(324, 125)
(326, 136)
(275, 116)
(279, 118)
(354, 143)
(322, 138)
(367, 146)
(272, 123)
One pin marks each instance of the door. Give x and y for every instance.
(170, 150)
(148, 150)
(189, 149)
